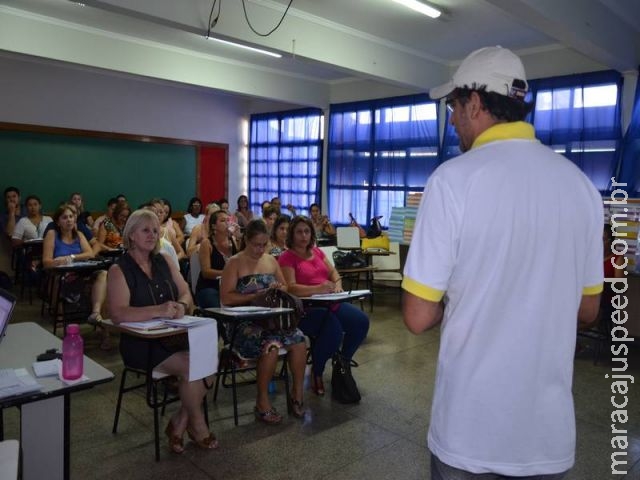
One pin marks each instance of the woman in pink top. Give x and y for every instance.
(307, 272)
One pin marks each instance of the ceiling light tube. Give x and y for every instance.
(246, 47)
(421, 7)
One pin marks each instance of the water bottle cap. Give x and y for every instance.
(73, 328)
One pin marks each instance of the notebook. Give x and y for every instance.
(7, 303)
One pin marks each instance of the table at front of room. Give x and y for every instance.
(44, 415)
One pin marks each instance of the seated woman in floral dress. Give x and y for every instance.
(110, 232)
(245, 276)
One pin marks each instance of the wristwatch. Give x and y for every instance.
(73, 257)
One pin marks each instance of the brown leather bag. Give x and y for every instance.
(276, 298)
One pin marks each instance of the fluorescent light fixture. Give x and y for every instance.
(246, 47)
(420, 6)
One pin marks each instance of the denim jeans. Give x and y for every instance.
(442, 471)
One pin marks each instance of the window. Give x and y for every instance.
(379, 152)
(285, 156)
(579, 117)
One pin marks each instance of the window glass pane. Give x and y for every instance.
(372, 167)
(285, 154)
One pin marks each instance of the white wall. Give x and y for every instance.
(40, 92)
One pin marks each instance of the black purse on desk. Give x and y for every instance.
(349, 259)
(343, 386)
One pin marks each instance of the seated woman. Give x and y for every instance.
(84, 216)
(269, 216)
(111, 205)
(110, 233)
(213, 255)
(167, 234)
(32, 226)
(63, 245)
(325, 231)
(307, 272)
(169, 223)
(201, 231)
(245, 276)
(243, 214)
(278, 238)
(194, 215)
(143, 285)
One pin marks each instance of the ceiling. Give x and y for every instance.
(330, 48)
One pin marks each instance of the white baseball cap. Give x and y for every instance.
(495, 68)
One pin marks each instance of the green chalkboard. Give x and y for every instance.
(53, 166)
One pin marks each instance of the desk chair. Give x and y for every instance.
(352, 275)
(600, 333)
(388, 267)
(152, 381)
(231, 365)
(32, 254)
(71, 303)
(348, 238)
(194, 271)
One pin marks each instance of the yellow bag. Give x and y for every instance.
(378, 243)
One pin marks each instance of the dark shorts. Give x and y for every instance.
(442, 471)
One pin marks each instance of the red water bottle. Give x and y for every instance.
(72, 353)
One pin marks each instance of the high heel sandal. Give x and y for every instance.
(207, 443)
(316, 385)
(270, 417)
(175, 442)
(297, 407)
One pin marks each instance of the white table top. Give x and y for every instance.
(20, 347)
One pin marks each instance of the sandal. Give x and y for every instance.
(175, 442)
(271, 416)
(209, 442)
(296, 407)
(317, 386)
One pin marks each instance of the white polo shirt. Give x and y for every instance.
(512, 232)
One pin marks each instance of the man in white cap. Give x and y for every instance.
(511, 232)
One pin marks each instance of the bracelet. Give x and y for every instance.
(184, 304)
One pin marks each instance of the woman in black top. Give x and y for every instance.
(145, 285)
(214, 252)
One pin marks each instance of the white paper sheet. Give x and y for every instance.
(203, 350)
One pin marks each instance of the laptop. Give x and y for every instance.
(7, 303)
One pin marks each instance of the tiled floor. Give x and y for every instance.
(382, 437)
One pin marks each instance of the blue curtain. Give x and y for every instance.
(630, 151)
(579, 116)
(379, 151)
(285, 158)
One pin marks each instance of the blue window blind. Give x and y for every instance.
(579, 117)
(285, 158)
(379, 151)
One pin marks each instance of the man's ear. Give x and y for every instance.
(475, 104)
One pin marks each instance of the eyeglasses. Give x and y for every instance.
(450, 103)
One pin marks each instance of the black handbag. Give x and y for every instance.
(351, 259)
(343, 386)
